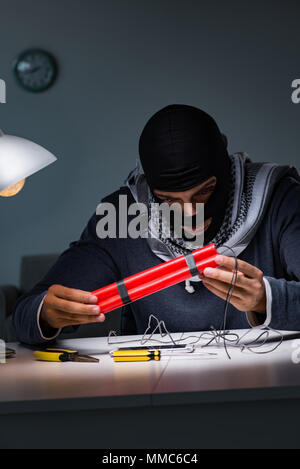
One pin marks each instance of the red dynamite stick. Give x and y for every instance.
(154, 279)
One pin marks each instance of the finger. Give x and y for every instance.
(82, 320)
(236, 301)
(217, 292)
(223, 289)
(73, 294)
(78, 316)
(227, 277)
(222, 295)
(74, 308)
(244, 267)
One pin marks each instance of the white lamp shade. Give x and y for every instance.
(19, 158)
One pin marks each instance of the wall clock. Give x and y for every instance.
(35, 70)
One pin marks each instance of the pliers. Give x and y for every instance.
(62, 355)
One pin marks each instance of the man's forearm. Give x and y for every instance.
(285, 310)
(26, 321)
(262, 318)
(46, 331)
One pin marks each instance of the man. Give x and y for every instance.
(252, 208)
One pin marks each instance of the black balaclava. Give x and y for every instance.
(182, 146)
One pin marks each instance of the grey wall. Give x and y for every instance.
(120, 61)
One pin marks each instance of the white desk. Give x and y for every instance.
(180, 401)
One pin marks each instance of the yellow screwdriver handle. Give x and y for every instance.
(135, 355)
(132, 353)
(135, 359)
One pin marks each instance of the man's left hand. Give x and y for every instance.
(249, 293)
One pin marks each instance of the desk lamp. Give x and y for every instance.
(19, 158)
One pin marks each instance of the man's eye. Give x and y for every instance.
(206, 191)
(164, 200)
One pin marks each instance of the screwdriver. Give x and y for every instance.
(135, 355)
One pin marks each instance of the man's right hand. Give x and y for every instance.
(65, 306)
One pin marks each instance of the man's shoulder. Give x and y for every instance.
(286, 185)
(286, 195)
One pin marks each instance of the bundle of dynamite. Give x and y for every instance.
(156, 278)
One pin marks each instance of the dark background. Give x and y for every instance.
(119, 62)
